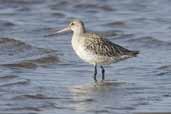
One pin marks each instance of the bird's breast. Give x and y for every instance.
(87, 55)
(78, 47)
(81, 51)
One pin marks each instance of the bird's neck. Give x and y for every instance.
(78, 33)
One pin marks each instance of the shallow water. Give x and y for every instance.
(42, 75)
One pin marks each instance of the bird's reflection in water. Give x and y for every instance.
(96, 97)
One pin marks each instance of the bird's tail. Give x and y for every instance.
(134, 53)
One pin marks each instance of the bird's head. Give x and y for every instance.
(76, 25)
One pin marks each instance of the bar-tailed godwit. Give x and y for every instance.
(94, 49)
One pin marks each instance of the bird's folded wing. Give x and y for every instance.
(103, 47)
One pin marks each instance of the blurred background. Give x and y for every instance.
(43, 75)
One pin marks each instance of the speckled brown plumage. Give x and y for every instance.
(103, 47)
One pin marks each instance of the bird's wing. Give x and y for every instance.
(100, 46)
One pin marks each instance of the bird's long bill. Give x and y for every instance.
(64, 30)
(60, 31)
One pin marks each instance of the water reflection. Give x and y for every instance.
(89, 97)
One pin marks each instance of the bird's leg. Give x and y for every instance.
(95, 72)
(103, 73)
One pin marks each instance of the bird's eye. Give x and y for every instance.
(72, 24)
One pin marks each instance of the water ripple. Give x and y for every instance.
(14, 53)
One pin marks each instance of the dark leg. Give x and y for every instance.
(95, 73)
(103, 73)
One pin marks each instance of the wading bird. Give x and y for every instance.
(94, 49)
